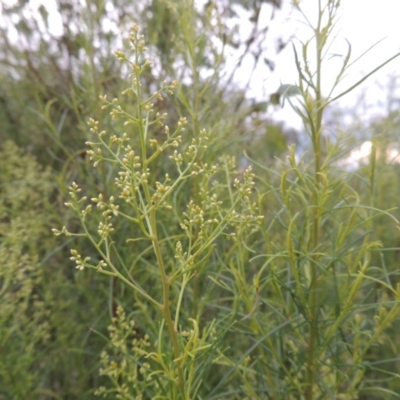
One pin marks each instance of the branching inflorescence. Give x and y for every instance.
(142, 200)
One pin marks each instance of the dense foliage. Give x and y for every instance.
(199, 270)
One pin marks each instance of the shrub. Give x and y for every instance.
(239, 285)
(25, 330)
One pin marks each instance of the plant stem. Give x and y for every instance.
(166, 304)
(152, 228)
(316, 126)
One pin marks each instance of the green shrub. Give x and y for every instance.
(235, 285)
(25, 331)
(46, 352)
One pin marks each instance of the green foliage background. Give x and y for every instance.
(65, 333)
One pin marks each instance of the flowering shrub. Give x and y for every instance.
(240, 286)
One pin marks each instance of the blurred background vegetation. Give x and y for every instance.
(49, 88)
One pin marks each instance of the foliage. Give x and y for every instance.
(218, 278)
(145, 196)
(315, 304)
(39, 298)
(24, 315)
(52, 75)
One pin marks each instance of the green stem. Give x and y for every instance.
(152, 229)
(316, 126)
(166, 308)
